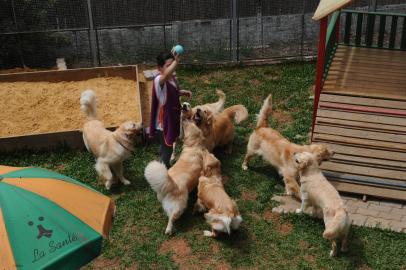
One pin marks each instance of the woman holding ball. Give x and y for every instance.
(165, 105)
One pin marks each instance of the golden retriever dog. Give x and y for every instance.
(173, 186)
(317, 191)
(278, 151)
(109, 148)
(187, 112)
(218, 130)
(223, 214)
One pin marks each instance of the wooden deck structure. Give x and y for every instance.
(360, 103)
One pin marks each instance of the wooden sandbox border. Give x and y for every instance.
(72, 138)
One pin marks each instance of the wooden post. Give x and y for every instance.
(337, 28)
(320, 67)
(92, 35)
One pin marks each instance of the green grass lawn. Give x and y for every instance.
(265, 240)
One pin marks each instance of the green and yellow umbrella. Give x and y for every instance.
(49, 221)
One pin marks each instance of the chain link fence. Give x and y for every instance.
(111, 32)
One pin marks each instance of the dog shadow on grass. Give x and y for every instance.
(356, 251)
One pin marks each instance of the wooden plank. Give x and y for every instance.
(370, 118)
(348, 82)
(364, 101)
(366, 180)
(338, 67)
(365, 58)
(372, 144)
(362, 92)
(370, 56)
(366, 62)
(359, 75)
(372, 51)
(365, 170)
(367, 152)
(354, 133)
(376, 162)
(366, 109)
(360, 125)
(368, 190)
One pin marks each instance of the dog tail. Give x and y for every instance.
(88, 104)
(157, 176)
(221, 101)
(336, 225)
(239, 112)
(264, 112)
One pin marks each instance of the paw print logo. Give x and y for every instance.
(41, 230)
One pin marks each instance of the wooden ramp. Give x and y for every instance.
(362, 115)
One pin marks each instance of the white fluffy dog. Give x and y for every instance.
(317, 191)
(109, 148)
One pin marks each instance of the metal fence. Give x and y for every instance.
(110, 32)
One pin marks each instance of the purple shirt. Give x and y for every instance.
(165, 111)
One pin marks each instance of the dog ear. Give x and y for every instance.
(302, 161)
(209, 162)
(209, 117)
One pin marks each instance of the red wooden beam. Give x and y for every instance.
(320, 67)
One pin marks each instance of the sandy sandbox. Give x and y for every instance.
(47, 107)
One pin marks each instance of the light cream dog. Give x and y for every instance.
(317, 191)
(218, 130)
(109, 148)
(277, 150)
(173, 186)
(223, 214)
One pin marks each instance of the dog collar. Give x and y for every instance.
(128, 148)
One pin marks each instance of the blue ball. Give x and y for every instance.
(178, 49)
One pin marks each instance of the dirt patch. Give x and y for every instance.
(270, 216)
(45, 107)
(205, 79)
(215, 248)
(364, 267)
(60, 168)
(222, 266)
(312, 88)
(255, 216)
(181, 252)
(310, 258)
(182, 255)
(304, 244)
(282, 117)
(134, 266)
(282, 227)
(255, 82)
(104, 263)
(249, 195)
